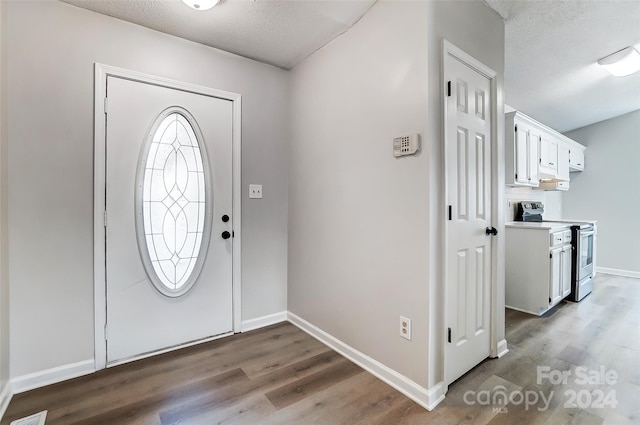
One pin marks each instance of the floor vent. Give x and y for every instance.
(37, 419)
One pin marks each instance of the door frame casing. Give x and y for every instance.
(101, 72)
(497, 347)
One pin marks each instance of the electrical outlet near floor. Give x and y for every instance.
(405, 328)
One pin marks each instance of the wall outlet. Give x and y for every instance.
(255, 191)
(405, 328)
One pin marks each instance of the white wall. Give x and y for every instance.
(364, 227)
(608, 190)
(358, 216)
(52, 47)
(4, 252)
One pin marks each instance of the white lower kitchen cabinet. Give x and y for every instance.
(538, 265)
(555, 276)
(565, 266)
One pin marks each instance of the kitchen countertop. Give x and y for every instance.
(544, 225)
(576, 221)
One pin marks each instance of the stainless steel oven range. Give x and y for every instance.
(582, 239)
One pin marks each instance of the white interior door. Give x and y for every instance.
(168, 188)
(468, 253)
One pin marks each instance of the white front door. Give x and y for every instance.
(168, 206)
(468, 253)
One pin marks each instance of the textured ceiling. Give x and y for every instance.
(281, 33)
(551, 54)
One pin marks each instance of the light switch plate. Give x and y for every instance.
(255, 191)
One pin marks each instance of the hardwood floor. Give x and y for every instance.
(280, 375)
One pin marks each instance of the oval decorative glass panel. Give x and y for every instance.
(173, 203)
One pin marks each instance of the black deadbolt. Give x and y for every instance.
(225, 218)
(226, 235)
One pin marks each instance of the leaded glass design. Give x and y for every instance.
(174, 201)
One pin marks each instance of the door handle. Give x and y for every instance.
(491, 231)
(225, 235)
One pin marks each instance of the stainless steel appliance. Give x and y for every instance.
(582, 241)
(529, 211)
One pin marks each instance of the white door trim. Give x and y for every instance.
(101, 72)
(498, 348)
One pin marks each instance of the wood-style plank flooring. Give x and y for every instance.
(280, 375)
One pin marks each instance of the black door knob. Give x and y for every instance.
(491, 231)
(226, 235)
(225, 218)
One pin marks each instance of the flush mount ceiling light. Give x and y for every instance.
(622, 63)
(201, 4)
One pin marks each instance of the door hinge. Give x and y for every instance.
(450, 214)
(551, 255)
(516, 176)
(105, 332)
(105, 218)
(448, 88)
(106, 105)
(449, 335)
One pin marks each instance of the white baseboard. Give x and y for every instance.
(5, 398)
(261, 322)
(54, 375)
(618, 272)
(427, 398)
(31, 381)
(502, 348)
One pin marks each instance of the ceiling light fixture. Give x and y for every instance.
(622, 63)
(201, 4)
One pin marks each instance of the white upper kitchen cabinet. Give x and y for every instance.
(538, 156)
(563, 162)
(548, 156)
(576, 157)
(522, 140)
(561, 179)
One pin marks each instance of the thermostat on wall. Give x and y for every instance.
(406, 145)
